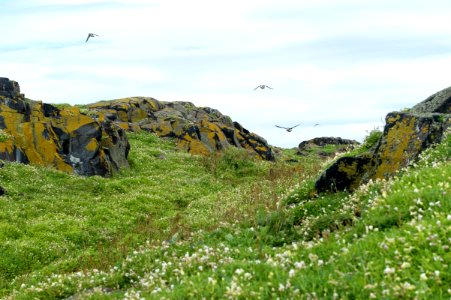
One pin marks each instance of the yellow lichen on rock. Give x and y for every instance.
(399, 139)
(71, 121)
(93, 145)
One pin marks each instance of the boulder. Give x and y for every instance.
(319, 145)
(405, 136)
(198, 130)
(63, 138)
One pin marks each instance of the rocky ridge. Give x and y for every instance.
(198, 130)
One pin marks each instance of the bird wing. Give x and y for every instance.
(256, 88)
(269, 87)
(89, 35)
(295, 126)
(281, 127)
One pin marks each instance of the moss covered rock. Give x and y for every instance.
(38, 133)
(405, 136)
(198, 130)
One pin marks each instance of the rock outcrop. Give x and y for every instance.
(199, 130)
(38, 133)
(320, 146)
(405, 136)
(9, 88)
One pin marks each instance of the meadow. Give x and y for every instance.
(176, 226)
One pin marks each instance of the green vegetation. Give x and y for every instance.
(177, 226)
(369, 142)
(4, 136)
(62, 105)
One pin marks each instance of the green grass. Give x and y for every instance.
(181, 227)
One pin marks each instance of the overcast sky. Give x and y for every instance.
(343, 64)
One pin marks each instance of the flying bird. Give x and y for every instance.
(316, 125)
(289, 129)
(90, 35)
(263, 86)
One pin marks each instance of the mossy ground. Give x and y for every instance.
(177, 226)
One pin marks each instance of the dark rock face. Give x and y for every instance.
(37, 133)
(344, 174)
(317, 144)
(9, 88)
(405, 136)
(199, 130)
(440, 102)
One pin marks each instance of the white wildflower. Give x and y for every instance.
(299, 265)
(405, 265)
(389, 270)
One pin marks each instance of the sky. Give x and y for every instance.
(342, 64)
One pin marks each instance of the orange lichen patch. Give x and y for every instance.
(137, 114)
(100, 105)
(393, 119)
(71, 121)
(11, 119)
(213, 132)
(122, 115)
(6, 147)
(123, 125)
(162, 129)
(92, 146)
(194, 147)
(73, 110)
(153, 104)
(395, 152)
(121, 105)
(36, 147)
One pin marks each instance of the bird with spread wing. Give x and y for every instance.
(289, 129)
(90, 35)
(263, 86)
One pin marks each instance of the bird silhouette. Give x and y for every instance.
(316, 125)
(289, 129)
(263, 86)
(90, 35)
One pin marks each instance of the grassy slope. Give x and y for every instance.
(230, 228)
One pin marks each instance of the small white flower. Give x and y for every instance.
(389, 270)
(239, 271)
(423, 277)
(299, 265)
(291, 273)
(405, 265)
(281, 287)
